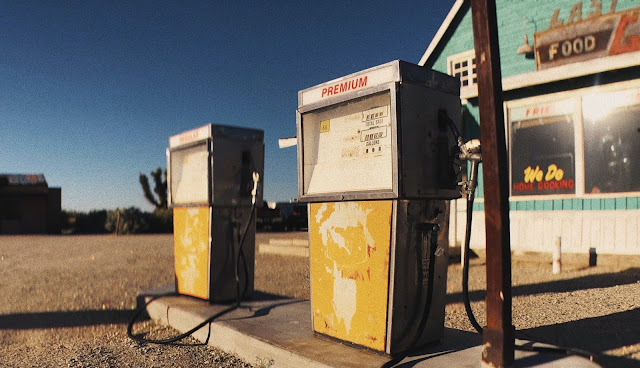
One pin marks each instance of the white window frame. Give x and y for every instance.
(578, 136)
(464, 64)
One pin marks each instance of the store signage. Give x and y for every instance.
(368, 78)
(543, 110)
(598, 35)
(550, 180)
(191, 136)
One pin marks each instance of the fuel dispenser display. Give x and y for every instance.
(213, 172)
(375, 162)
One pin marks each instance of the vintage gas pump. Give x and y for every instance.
(213, 177)
(376, 161)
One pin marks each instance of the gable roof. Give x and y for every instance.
(441, 31)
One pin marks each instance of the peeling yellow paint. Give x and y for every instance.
(349, 250)
(191, 250)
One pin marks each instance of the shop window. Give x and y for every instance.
(542, 149)
(612, 141)
(463, 67)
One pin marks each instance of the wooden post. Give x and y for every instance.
(117, 221)
(498, 335)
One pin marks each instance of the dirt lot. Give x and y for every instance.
(66, 301)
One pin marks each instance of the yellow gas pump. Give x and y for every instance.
(375, 162)
(213, 172)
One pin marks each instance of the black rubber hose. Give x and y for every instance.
(465, 267)
(429, 299)
(236, 305)
(467, 303)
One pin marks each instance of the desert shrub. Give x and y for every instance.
(128, 221)
(161, 221)
(75, 222)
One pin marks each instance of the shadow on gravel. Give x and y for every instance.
(453, 341)
(626, 277)
(38, 320)
(597, 335)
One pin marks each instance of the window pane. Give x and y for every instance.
(612, 149)
(190, 175)
(542, 149)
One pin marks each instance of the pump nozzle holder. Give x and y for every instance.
(471, 151)
(254, 191)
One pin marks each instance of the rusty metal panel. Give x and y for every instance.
(421, 250)
(191, 250)
(349, 253)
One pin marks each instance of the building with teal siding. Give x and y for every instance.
(571, 82)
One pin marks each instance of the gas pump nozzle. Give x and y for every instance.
(254, 191)
(472, 152)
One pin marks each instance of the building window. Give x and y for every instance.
(543, 148)
(463, 66)
(611, 136)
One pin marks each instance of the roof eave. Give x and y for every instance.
(441, 31)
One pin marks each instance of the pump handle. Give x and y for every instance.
(254, 191)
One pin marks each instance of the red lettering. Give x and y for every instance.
(556, 185)
(540, 110)
(363, 82)
(622, 44)
(521, 187)
(344, 86)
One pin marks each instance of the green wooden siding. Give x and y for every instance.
(623, 203)
(513, 17)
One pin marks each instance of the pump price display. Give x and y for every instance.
(347, 147)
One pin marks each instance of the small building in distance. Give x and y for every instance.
(28, 205)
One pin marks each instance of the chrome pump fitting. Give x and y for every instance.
(472, 152)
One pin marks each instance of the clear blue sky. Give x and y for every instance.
(90, 91)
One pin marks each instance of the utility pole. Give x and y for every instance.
(498, 335)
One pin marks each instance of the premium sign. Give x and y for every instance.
(367, 78)
(191, 136)
(599, 35)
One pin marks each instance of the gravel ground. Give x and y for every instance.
(66, 301)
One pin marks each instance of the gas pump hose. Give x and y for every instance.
(428, 300)
(239, 294)
(465, 281)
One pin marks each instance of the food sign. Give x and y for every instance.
(597, 35)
